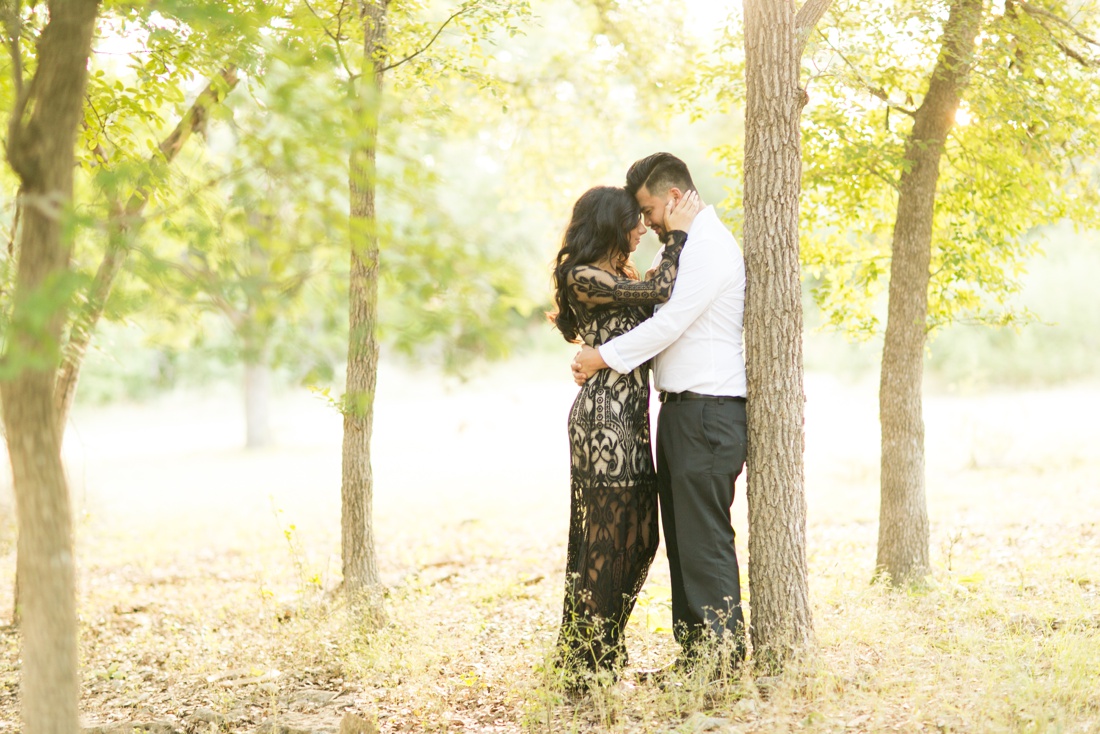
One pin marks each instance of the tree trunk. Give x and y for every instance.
(40, 149)
(360, 566)
(80, 334)
(903, 514)
(781, 622)
(16, 609)
(257, 394)
(255, 339)
(15, 583)
(121, 225)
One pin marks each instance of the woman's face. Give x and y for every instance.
(636, 235)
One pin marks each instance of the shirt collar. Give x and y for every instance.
(703, 218)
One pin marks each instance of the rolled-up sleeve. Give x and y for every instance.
(702, 274)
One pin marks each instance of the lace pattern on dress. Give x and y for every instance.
(613, 505)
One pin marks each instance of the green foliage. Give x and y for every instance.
(716, 87)
(149, 61)
(582, 90)
(37, 349)
(246, 226)
(444, 294)
(487, 134)
(1020, 156)
(146, 60)
(1062, 345)
(1029, 120)
(255, 243)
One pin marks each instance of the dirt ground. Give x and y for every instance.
(206, 570)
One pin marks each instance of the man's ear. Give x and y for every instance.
(674, 193)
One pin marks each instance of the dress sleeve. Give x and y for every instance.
(594, 286)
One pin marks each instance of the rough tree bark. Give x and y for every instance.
(781, 622)
(903, 513)
(40, 148)
(360, 566)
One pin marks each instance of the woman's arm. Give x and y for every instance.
(594, 286)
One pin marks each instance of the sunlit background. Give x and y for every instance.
(475, 190)
(237, 286)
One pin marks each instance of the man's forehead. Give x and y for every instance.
(644, 196)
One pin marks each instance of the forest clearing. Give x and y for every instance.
(291, 447)
(206, 571)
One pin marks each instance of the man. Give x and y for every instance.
(699, 370)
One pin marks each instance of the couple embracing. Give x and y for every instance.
(685, 318)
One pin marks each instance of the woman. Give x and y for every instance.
(613, 510)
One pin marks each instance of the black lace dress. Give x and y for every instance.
(613, 508)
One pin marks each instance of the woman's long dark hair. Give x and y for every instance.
(600, 228)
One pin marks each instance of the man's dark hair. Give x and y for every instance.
(658, 173)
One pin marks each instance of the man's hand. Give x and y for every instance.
(587, 363)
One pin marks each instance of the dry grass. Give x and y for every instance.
(206, 571)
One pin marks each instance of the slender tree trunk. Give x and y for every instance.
(122, 224)
(15, 611)
(781, 622)
(360, 566)
(257, 402)
(40, 149)
(903, 513)
(16, 605)
(15, 582)
(80, 334)
(255, 339)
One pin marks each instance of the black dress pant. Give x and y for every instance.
(701, 447)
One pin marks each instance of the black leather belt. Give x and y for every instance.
(675, 397)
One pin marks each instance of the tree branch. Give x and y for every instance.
(1071, 52)
(1065, 48)
(806, 20)
(1035, 11)
(881, 94)
(13, 28)
(428, 45)
(119, 222)
(1037, 14)
(15, 223)
(876, 92)
(98, 150)
(217, 299)
(337, 36)
(892, 183)
(324, 26)
(194, 118)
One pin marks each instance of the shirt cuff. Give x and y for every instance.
(611, 356)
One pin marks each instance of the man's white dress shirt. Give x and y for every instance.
(696, 336)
